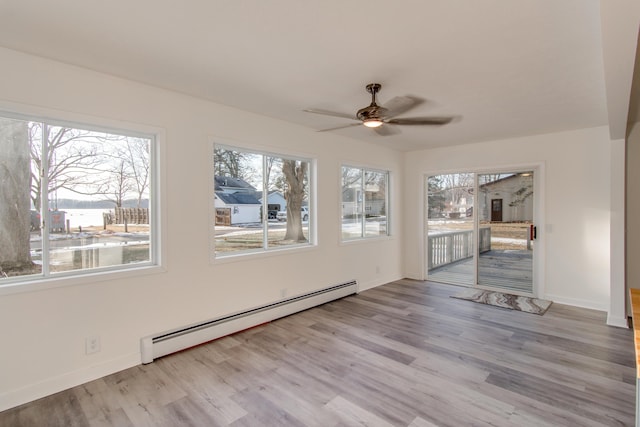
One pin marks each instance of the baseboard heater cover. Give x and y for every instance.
(159, 345)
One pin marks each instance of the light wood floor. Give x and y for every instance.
(403, 354)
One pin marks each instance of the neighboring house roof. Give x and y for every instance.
(227, 182)
(502, 180)
(237, 198)
(258, 194)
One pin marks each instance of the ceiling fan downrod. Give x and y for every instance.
(373, 89)
(372, 116)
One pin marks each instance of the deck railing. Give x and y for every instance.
(131, 215)
(452, 246)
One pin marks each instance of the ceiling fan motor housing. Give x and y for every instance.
(374, 116)
(371, 112)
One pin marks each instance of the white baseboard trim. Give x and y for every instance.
(65, 381)
(620, 322)
(363, 286)
(413, 275)
(577, 302)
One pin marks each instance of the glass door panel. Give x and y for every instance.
(505, 246)
(450, 228)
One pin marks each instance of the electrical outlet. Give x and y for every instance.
(283, 293)
(92, 345)
(377, 269)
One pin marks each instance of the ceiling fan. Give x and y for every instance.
(375, 116)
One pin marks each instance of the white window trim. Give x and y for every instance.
(389, 193)
(30, 283)
(262, 252)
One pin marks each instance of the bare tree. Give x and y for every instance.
(119, 185)
(139, 161)
(273, 174)
(350, 177)
(89, 163)
(74, 161)
(435, 196)
(375, 190)
(14, 193)
(458, 186)
(491, 177)
(278, 183)
(232, 163)
(227, 162)
(128, 170)
(295, 172)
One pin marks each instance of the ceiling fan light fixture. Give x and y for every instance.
(374, 116)
(372, 123)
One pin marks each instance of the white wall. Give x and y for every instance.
(617, 313)
(633, 207)
(576, 211)
(43, 331)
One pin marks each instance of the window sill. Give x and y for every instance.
(43, 284)
(247, 256)
(366, 240)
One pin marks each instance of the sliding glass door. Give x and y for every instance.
(450, 228)
(505, 218)
(480, 230)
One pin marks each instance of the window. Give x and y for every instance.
(72, 200)
(364, 203)
(261, 201)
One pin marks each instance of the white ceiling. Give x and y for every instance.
(506, 68)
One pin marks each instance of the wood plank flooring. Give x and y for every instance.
(503, 269)
(403, 354)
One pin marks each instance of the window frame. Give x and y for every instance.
(47, 280)
(265, 249)
(387, 201)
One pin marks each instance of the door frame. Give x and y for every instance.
(538, 168)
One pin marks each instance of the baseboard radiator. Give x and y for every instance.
(155, 346)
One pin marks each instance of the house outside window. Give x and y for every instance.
(365, 201)
(261, 201)
(73, 200)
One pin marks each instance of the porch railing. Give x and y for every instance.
(452, 246)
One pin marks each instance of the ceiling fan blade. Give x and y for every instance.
(421, 121)
(332, 113)
(340, 127)
(401, 104)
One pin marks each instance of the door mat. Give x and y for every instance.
(512, 302)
